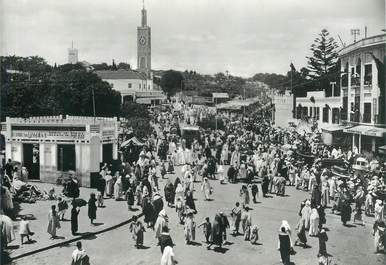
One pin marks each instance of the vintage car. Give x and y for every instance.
(361, 164)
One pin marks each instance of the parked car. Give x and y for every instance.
(361, 164)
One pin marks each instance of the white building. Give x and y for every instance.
(133, 86)
(324, 110)
(50, 146)
(283, 112)
(361, 92)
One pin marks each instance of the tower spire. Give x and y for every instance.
(144, 15)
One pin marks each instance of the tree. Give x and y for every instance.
(39, 90)
(138, 118)
(324, 65)
(171, 81)
(324, 55)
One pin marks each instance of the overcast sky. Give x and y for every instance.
(209, 36)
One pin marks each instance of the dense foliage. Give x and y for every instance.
(137, 119)
(34, 88)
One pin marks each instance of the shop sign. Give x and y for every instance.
(57, 135)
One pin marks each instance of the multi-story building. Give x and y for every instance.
(360, 91)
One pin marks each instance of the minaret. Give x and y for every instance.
(72, 54)
(144, 45)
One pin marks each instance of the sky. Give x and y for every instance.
(243, 37)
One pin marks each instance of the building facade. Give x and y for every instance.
(53, 145)
(361, 92)
(282, 113)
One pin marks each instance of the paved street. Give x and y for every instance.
(347, 245)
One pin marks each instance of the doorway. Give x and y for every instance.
(107, 153)
(31, 160)
(66, 157)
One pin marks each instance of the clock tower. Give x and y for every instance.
(144, 45)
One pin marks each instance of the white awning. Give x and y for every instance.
(334, 128)
(366, 130)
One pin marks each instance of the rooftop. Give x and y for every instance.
(220, 95)
(120, 74)
(366, 42)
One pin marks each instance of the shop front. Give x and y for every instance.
(366, 138)
(50, 147)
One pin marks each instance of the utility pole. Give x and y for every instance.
(93, 103)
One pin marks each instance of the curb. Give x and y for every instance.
(86, 235)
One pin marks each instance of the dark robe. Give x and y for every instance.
(285, 247)
(147, 209)
(265, 185)
(322, 243)
(345, 214)
(217, 233)
(92, 208)
(74, 220)
(169, 193)
(190, 201)
(165, 240)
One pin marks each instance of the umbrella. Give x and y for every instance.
(79, 202)
(15, 163)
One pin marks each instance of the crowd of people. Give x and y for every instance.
(249, 150)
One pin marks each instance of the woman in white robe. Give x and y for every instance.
(205, 187)
(180, 156)
(168, 256)
(306, 213)
(314, 223)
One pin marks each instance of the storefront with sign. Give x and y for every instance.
(51, 146)
(367, 138)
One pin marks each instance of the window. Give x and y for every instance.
(129, 85)
(344, 80)
(345, 109)
(367, 112)
(139, 86)
(325, 114)
(305, 112)
(368, 74)
(316, 113)
(335, 115)
(310, 112)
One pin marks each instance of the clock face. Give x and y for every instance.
(142, 40)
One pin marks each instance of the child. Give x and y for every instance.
(100, 199)
(255, 191)
(137, 229)
(24, 230)
(130, 198)
(138, 194)
(163, 170)
(207, 229)
(62, 208)
(254, 234)
(92, 208)
(180, 209)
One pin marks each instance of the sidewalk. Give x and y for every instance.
(114, 213)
